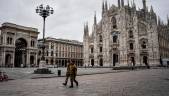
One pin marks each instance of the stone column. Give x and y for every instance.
(4, 57)
(28, 59)
(13, 59)
(36, 59)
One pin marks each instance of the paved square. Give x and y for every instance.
(153, 82)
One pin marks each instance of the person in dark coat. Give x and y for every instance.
(73, 73)
(67, 73)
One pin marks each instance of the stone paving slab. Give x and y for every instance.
(25, 73)
(153, 82)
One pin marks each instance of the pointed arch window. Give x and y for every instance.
(143, 45)
(92, 50)
(101, 49)
(131, 34)
(115, 39)
(131, 46)
(114, 22)
(100, 38)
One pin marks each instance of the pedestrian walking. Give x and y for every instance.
(73, 74)
(67, 74)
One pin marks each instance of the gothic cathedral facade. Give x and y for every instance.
(123, 35)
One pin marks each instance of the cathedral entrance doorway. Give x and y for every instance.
(101, 62)
(133, 61)
(20, 52)
(115, 59)
(92, 62)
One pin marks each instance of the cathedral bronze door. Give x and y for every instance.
(20, 52)
(115, 59)
(101, 62)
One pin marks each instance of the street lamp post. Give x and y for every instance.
(44, 12)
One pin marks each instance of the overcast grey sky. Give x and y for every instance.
(69, 15)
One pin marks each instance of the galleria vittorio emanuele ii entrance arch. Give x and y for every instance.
(18, 46)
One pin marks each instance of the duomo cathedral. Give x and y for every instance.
(126, 34)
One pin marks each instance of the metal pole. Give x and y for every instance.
(43, 48)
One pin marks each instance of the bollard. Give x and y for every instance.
(59, 73)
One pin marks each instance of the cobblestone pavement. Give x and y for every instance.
(26, 73)
(153, 82)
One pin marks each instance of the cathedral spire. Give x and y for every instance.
(103, 8)
(122, 3)
(159, 21)
(134, 4)
(167, 20)
(84, 28)
(151, 10)
(95, 18)
(119, 3)
(87, 28)
(106, 7)
(128, 3)
(144, 4)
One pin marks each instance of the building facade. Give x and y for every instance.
(163, 31)
(125, 35)
(59, 51)
(18, 45)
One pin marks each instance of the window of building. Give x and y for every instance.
(39, 53)
(131, 34)
(100, 49)
(115, 39)
(92, 50)
(1, 40)
(131, 46)
(8, 40)
(47, 61)
(114, 22)
(47, 53)
(32, 43)
(51, 53)
(100, 38)
(52, 45)
(143, 45)
(56, 54)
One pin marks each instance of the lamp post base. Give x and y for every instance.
(42, 64)
(42, 68)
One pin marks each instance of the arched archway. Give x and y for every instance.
(8, 60)
(20, 52)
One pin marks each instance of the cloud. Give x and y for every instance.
(69, 15)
